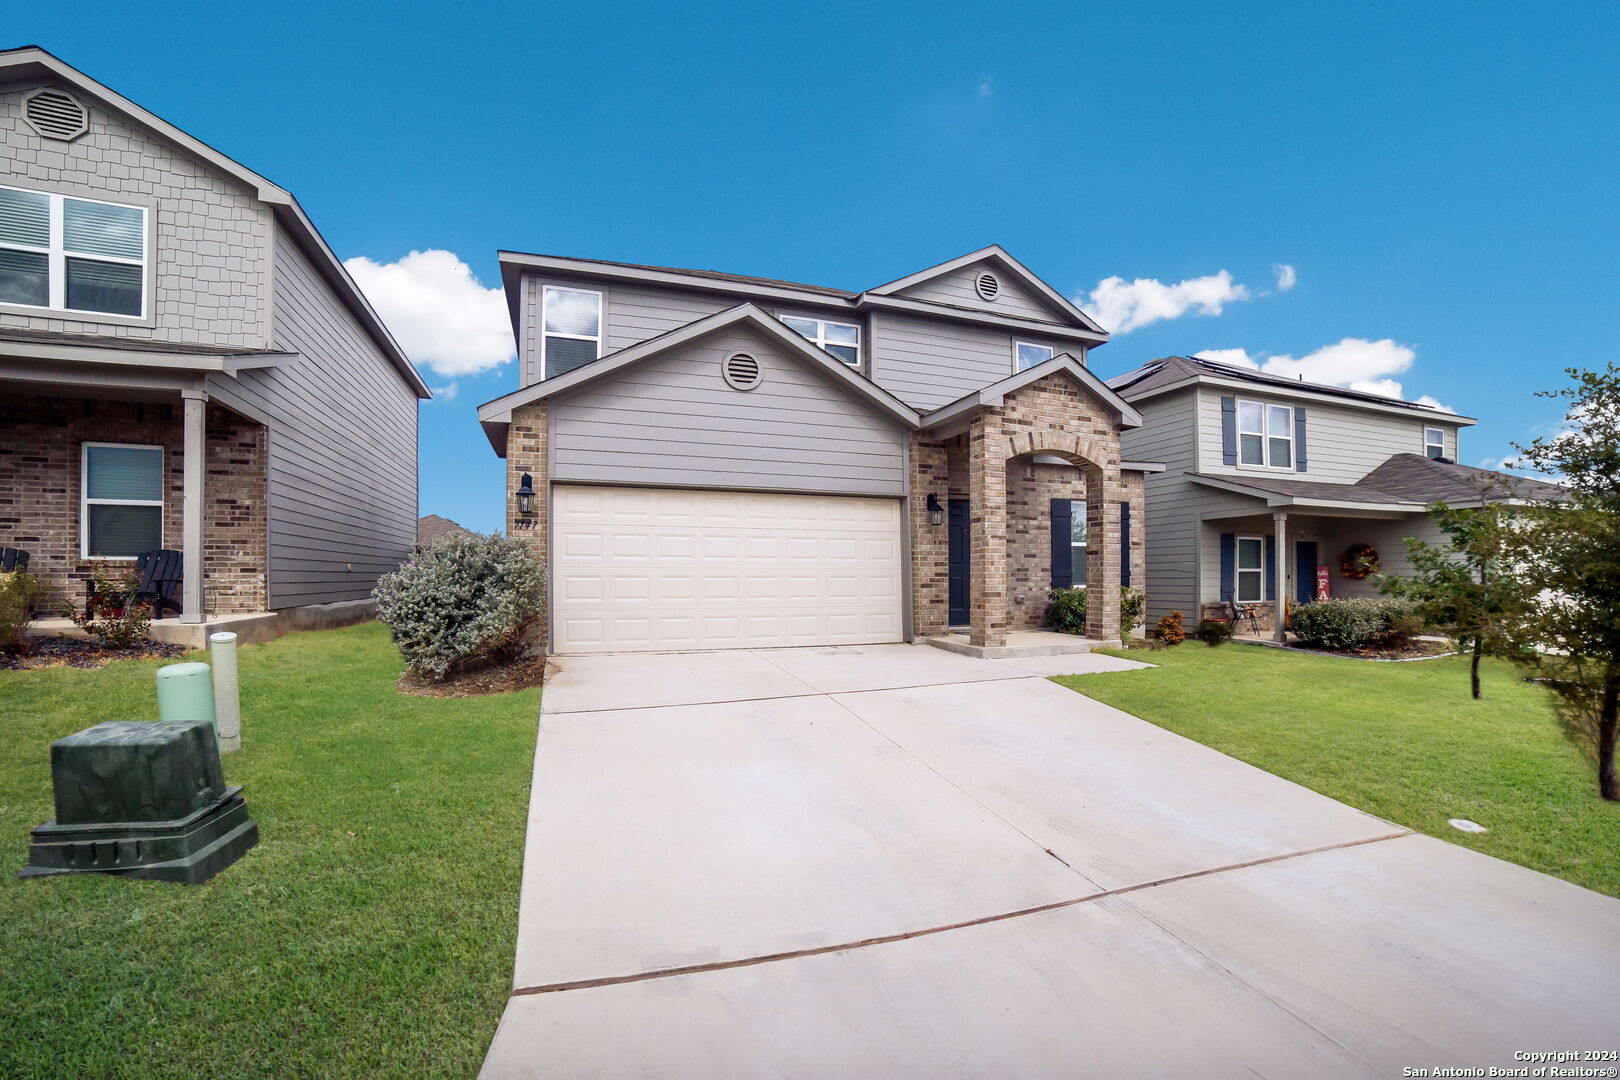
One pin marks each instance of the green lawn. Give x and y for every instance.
(371, 931)
(1402, 741)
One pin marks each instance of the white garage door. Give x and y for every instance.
(640, 570)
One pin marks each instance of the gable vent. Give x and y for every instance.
(741, 371)
(987, 286)
(56, 114)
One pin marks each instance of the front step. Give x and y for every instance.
(1022, 643)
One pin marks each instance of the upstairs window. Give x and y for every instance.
(1027, 356)
(122, 496)
(1265, 435)
(843, 340)
(71, 254)
(572, 322)
(1434, 442)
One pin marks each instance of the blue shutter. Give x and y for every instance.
(1124, 543)
(1271, 567)
(1299, 439)
(1062, 556)
(1229, 430)
(1228, 566)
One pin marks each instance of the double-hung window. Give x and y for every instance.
(843, 340)
(1265, 435)
(1077, 541)
(572, 324)
(1027, 355)
(122, 495)
(1251, 569)
(1434, 442)
(69, 254)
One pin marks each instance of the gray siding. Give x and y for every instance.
(1343, 443)
(931, 362)
(673, 420)
(211, 265)
(958, 288)
(1173, 503)
(342, 458)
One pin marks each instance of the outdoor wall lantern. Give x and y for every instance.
(936, 512)
(525, 496)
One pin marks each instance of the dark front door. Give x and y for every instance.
(1304, 571)
(958, 538)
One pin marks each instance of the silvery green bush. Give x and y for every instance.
(463, 599)
(1353, 622)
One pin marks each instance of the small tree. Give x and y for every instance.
(1569, 550)
(1169, 630)
(1470, 586)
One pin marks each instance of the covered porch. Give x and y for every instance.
(113, 451)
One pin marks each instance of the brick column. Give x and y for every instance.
(987, 497)
(526, 453)
(1103, 492)
(930, 549)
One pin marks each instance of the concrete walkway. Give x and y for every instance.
(893, 861)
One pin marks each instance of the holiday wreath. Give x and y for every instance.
(1359, 561)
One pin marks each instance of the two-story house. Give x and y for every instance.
(1273, 487)
(716, 461)
(185, 366)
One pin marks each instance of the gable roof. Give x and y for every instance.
(1173, 372)
(996, 254)
(496, 415)
(432, 527)
(996, 392)
(33, 62)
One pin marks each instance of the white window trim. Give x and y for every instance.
(1050, 351)
(820, 340)
(57, 255)
(601, 322)
(1265, 437)
(1238, 569)
(1427, 442)
(85, 501)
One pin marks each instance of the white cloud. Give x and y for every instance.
(442, 315)
(1286, 277)
(1353, 363)
(986, 86)
(1121, 306)
(446, 393)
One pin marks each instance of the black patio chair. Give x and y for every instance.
(13, 560)
(161, 575)
(1237, 614)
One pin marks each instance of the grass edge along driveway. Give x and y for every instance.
(1400, 740)
(371, 931)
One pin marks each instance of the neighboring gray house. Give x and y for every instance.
(185, 365)
(1270, 482)
(713, 461)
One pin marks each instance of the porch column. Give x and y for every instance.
(930, 546)
(1103, 553)
(1280, 571)
(987, 510)
(191, 507)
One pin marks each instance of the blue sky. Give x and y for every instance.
(1443, 178)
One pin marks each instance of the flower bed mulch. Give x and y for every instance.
(1416, 649)
(490, 679)
(84, 653)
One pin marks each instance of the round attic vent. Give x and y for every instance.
(56, 114)
(741, 371)
(987, 285)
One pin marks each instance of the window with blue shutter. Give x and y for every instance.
(1125, 543)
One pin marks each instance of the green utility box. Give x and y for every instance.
(144, 800)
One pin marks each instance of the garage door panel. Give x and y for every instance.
(641, 570)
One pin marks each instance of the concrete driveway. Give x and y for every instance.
(892, 861)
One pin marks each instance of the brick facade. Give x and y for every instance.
(40, 490)
(526, 453)
(1010, 498)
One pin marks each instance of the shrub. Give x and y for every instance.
(1213, 633)
(1066, 610)
(461, 600)
(1170, 629)
(1354, 622)
(18, 591)
(111, 617)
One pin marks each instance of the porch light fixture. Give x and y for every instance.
(936, 512)
(525, 496)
